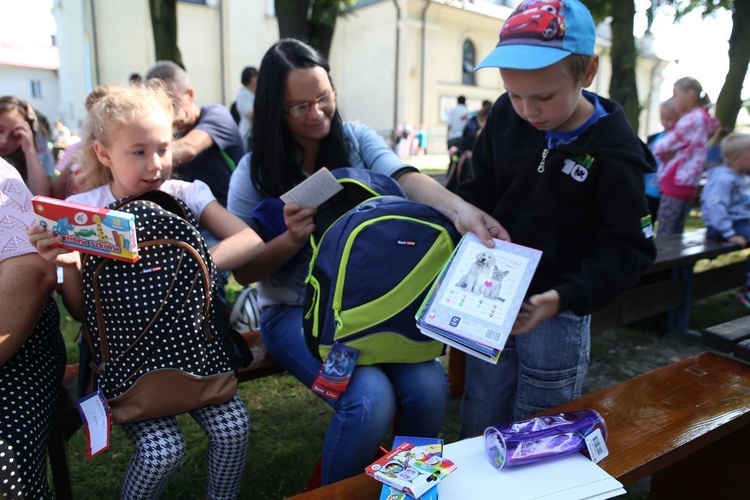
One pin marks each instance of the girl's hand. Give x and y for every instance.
(539, 308)
(739, 240)
(48, 246)
(22, 132)
(299, 222)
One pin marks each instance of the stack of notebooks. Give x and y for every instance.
(479, 292)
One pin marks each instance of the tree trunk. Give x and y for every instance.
(323, 23)
(312, 21)
(729, 101)
(164, 26)
(622, 87)
(292, 16)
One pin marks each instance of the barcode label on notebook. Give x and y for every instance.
(492, 334)
(595, 444)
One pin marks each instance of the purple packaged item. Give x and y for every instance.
(538, 438)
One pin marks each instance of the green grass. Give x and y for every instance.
(289, 422)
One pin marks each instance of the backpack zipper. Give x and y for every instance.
(540, 168)
(363, 186)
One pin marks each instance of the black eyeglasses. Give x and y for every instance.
(301, 110)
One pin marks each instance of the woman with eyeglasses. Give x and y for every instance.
(297, 130)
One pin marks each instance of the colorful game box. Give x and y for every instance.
(430, 445)
(89, 229)
(410, 469)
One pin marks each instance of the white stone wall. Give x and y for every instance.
(17, 82)
(218, 40)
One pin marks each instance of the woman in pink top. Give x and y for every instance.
(682, 152)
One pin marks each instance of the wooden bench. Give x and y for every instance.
(669, 285)
(67, 420)
(686, 425)
(730, 339)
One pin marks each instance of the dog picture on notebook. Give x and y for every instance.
(473, 280)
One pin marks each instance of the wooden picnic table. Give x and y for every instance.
(687, 425)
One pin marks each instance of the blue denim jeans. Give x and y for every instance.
(741, 227)
(364, 413)
(536, 371)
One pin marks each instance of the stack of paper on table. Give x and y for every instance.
(475, 300)
(570, 477)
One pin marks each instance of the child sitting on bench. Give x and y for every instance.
(725, 200)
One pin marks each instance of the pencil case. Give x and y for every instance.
(540, 438)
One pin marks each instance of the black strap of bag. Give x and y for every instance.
(239, 352)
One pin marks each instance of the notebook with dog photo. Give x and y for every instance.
(477, 296)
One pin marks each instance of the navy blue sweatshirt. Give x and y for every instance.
(585, 210)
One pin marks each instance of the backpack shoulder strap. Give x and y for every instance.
(164, 200)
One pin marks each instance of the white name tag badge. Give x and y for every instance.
(97, 422)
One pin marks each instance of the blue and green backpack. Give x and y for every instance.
(375, 254)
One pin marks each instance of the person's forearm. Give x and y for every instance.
(25, 285)
(72, 292)
(424, 189)
(276, 253)
(36, 178)
(237, 250)
(182, 152)
(189, 146)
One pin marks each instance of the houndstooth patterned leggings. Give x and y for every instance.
(159, 447)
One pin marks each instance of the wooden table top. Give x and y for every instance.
(653, 420)
(688, 248)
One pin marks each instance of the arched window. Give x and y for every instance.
(469, 60)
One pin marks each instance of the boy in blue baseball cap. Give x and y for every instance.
(562, 171)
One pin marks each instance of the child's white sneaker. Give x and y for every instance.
(245, 316)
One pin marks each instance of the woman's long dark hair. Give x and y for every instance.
(276, 166)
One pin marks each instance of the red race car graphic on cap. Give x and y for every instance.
(541, 19)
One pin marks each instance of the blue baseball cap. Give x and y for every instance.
(540, 33)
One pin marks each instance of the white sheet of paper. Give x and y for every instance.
(95, 416)
(572, 477)
(314, 190)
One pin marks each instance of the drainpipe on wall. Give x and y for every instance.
(395, 77)
(222, 59)
(91, 62)
(650, 96)
(422, 63)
